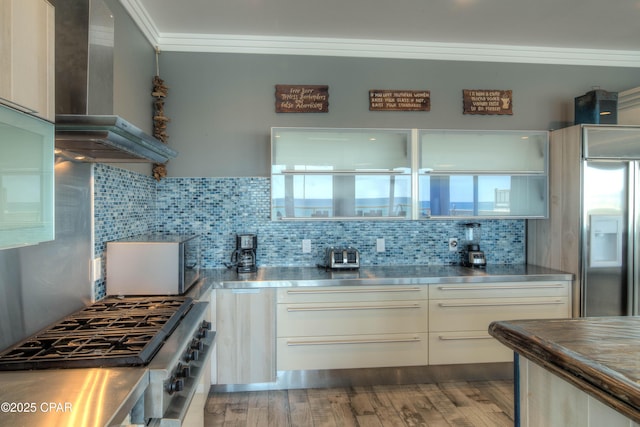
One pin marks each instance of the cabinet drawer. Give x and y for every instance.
(476, 314)
(447, 348)
(499, 290)
(352, 293)
(343, 352)
(351, 318)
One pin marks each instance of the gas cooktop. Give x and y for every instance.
(113, 332)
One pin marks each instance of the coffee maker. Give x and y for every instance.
(472, 256)
(244, 257)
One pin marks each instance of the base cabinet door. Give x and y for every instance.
(346, 351)
(460, 314)
(346, 327)
(245, 336)
(466, 347)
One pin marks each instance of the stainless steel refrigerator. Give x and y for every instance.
(593, 229)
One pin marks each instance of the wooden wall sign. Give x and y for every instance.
(302, 99)
(491, 102)
(399, 100)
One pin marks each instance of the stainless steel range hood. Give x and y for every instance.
(86, 128)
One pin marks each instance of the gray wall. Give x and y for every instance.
(221, 105)
(134, 66)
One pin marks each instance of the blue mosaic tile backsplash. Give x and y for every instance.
(124, 205)
(127, 203)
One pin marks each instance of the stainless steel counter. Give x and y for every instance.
(70, 397)
(268, 277)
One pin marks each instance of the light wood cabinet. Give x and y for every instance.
(351, 327)
(245, 339)
(548, 400)
(262, 331)
(460, 314)
(27, 45)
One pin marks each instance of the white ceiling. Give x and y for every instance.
(585, 32)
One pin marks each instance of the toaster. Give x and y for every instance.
(341, 258)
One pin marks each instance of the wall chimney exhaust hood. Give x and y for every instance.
(86, 128)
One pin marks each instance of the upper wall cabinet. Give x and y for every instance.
(483, 173)
(340, 173)
(27, 44)
(407, 174)
(26, 179)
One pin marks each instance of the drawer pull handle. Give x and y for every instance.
(340, 342)
(351, 307)
(246, 291)
(468, 337)
(497, 304)
(491, 288)
(351, 291)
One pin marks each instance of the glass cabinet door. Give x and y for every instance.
(482, 174)
(26, 179)
(407, 173)
(483, 151)
(340, 173)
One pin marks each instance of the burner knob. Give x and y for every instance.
(196, 344)
(192, 354)
(202, 333)
(183, 371)
(176, 385)
(206, 325)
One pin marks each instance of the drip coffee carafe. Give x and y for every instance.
(244, 257)
(472, 255)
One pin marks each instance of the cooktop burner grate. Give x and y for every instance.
(113, 332)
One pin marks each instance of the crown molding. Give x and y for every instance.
(364, 48)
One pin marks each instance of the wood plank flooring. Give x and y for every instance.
(459, 404)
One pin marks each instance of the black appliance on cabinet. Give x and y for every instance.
(596, 107)
(244, 257)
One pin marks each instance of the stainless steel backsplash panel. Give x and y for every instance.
(43, 283)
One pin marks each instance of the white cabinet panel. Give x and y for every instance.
(353, 293)
(343, 352)
(460, 314)
(499, 290)
(352, 327)
(385, 317)
(477, 314)
(27, 46)
(466, 347)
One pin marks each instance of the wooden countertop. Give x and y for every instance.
(599, 355)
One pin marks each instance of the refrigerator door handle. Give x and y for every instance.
(633, 251)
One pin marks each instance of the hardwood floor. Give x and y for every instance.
(468, 404)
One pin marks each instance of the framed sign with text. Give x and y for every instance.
(302, 99)
(399, 100)
(487, 101)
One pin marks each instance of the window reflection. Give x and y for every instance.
(465, 195)
(334, 196)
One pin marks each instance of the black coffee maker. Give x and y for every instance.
(244, 257)
(472, 256)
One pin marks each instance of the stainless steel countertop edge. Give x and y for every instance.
(281, 277)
